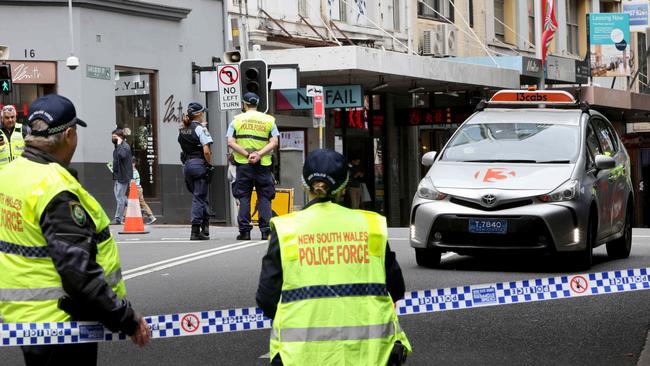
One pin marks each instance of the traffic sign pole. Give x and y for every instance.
(318, 110)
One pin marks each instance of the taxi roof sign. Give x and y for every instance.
(532, 97)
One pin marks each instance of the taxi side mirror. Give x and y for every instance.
(428, 158)
(603, 162)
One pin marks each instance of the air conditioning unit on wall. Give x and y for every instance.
(440, 41)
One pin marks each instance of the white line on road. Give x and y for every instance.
(177, 261)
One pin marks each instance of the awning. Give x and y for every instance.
(366, 66)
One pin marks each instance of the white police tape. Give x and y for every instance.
(416, 302)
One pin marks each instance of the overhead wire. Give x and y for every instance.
(515, 32)
(470, 37)
(460, 14)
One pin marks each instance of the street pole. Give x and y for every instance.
(538, 41)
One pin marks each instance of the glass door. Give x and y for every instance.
(135, 112)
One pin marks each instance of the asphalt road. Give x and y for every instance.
(595, 330)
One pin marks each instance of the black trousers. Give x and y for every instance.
(65, 354)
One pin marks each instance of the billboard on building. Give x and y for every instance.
(609, 44)
(638, 12)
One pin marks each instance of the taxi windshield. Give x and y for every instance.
(514, 142)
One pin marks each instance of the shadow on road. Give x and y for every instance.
(516, 263)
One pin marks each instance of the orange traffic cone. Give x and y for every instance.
(133, 223)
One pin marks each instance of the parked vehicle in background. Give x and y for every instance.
(515, 177)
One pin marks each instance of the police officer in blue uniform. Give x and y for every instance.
(195, 141)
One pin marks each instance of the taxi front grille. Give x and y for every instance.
(505, 206)
(523, 231)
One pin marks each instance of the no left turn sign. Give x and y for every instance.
(228, 75)
(229, 87)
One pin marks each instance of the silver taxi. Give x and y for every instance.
(519, 178)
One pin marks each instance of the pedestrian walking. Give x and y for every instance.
(59, 261)
(329, 279)
(356, 179)
(195, 141)
(122, 173)
(143, 204)
(252, 136)
(12, 135)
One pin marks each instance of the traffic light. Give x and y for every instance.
(254, 79)
(5, 79)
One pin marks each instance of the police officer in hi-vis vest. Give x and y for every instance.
(58, 260)
(12, 135)
(329, 280)
(252, 136)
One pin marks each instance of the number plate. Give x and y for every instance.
(488, 226)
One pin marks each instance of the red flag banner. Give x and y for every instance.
(548, 27)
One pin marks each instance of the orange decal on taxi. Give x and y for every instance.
(495, 174)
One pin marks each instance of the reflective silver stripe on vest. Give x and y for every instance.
(114, 278)
(336, 333)
(31, 294)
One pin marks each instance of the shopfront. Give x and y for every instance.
(31, 79)
(135, 112)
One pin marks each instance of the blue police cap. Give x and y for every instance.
(326, 166)
(57, 111)
(194, 107)
(251, 98)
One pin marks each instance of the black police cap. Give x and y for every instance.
(57, 111)
(328, 166)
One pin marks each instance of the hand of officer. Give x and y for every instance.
(253, 157)
(142, 333)
(119, 140)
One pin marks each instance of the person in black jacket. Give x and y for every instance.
(122, 173)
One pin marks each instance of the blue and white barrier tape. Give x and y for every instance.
(416, 302)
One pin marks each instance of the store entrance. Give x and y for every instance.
(135, 111)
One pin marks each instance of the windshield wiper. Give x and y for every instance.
(554, 162)
(500, 161)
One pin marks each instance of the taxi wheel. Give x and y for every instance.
(620, 248)
(427, 257)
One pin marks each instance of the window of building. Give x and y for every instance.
(470, 10)
(531, 21)
(436, 9)
(499, 20)
(641, 51)
(396, 5)
(572, 44)
(302, 7)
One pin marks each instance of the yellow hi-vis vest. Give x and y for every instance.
(30, 286)
(10, 150)
(252, 132)
(335, 308)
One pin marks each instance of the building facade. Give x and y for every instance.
(367, 56)
(135, 72)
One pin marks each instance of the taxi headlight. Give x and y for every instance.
(566, 192)
(427, 192)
